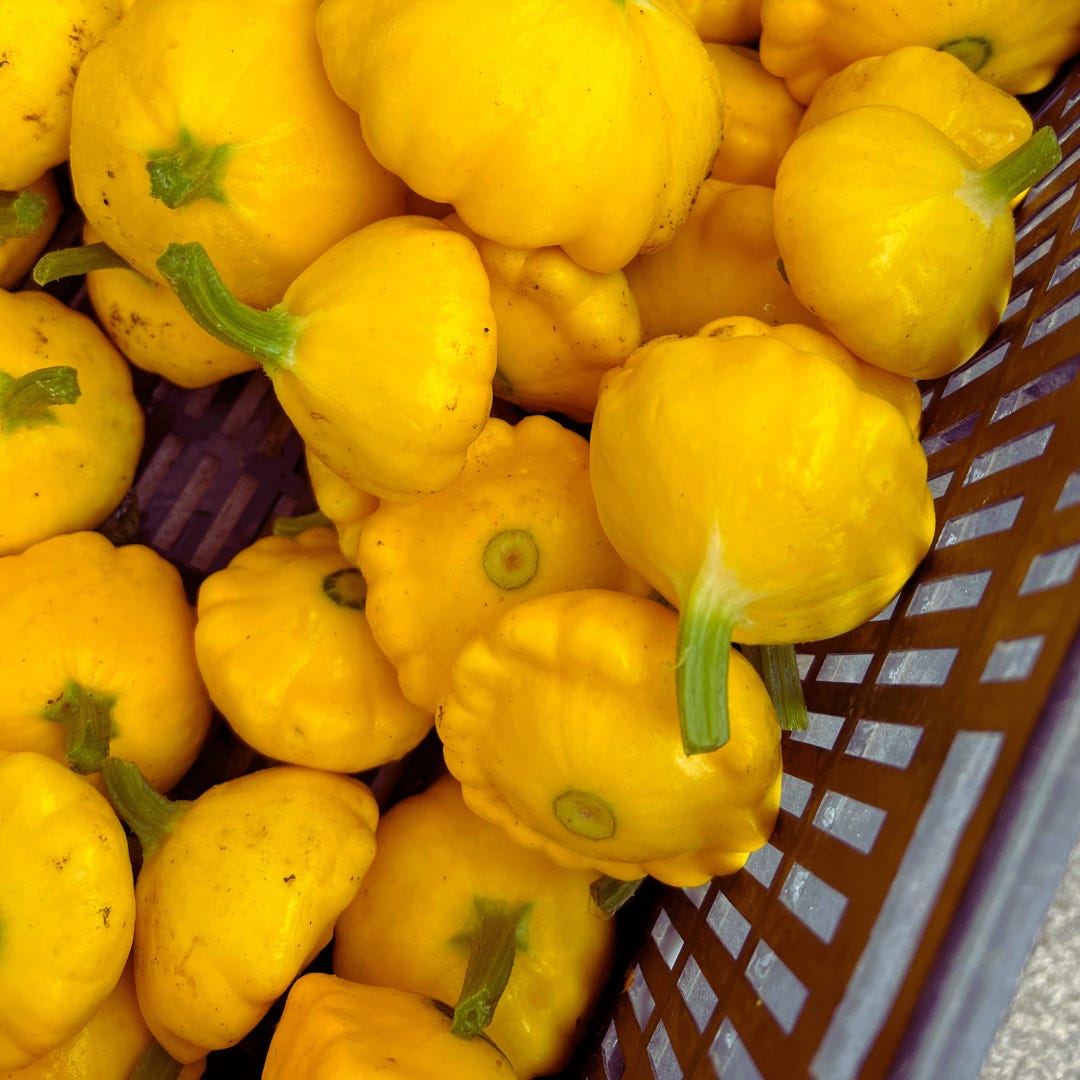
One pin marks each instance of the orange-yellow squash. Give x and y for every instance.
(28, 219)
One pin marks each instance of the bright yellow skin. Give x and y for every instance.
(722, 262)
(107, 1048)
(725, 20)
(1017, 47)
(435, 858)
(756, 470)
(532, 476)
(575, 692)
(70, 470)
(296, 673)
(888, 238)
(299, 176)
(240, 896)
(68, 908)
(982, 120)
(147, 322)
(560, 327)
(761, 118)
(43, 48)
(344, 504)
(333, 1029)
(589, 125)
(19, 253)
(117, 622)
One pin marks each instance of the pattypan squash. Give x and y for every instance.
(28, 218)
(69, 905)
(768, 484)
(97, 656)
(560, 327)
(723, 261)
(334, 1029)
(583, 124)
(44, 46)
(732, 21)
(381, 353)
(524, 524)
(1018, 47)
(455, 909)
(71, 429)
(897, 240)
(196, 121)
(562, 726)
(238, 892)
(343, 504)
(288, 658)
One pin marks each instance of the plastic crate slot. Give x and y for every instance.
(845, 667)
(980, 365)
(917, 667)
(198, 401)
(953, 434)
(697, 993)
(1012, 661)
(1061, 200)
(186, 503)
(246, 405)
(1000, 517)
(1070, 492)
(957, 593)
(1051, 570)
(1057, 316)
(928, 397)
(886, 613)
(1048, 383)
(729, 1057)
(697, 894)
(805, 662)
(1014, 452)
(1016, 303)
(1034, 255)
(662, 1054)
(220, 530)
(817, 905)
(763, 864)
(822, 730)
(157, 468)
(611, 1055)
(854, 822)
(1069, 158)
(1066, 268)
(728, 924)
(668, 940)
(795, 793)
(884, 742)
(641, 999)
(777, 986)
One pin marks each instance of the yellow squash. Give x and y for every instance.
(931, 234)
(725, 20)
(333, 1029)
(563, 728)
(68, 909)
(71, 429)
(382, 351)
(97, 655)
(342, 503)
(288, 658)
(519, 522)
(1015, 46)
(28, 218)
(765, 482)
(589, 124)
(239, 891)
(198, 122)
(455, 909)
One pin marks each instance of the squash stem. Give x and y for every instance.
(73, 261)
(701, 673)
(269, 336)
(494, 935)
(87, 717)
(189, 171)
(779, 671)
(610, 894)
(27, 399)
(155, 1063)
(990, 190)
(294, 526)
(150, 815)
(22, 213)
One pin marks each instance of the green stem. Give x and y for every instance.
(511, 558)
(269, 336)
(87, 717)
(779, 671)
(27, 399)
(70, 262)
(156, 1064)
(294, 526)
(494, 935)
(189, 171)
(149, 815)
(971, 51)
(22, 213)
(610, 894)
(701, 673)
(990, 190)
